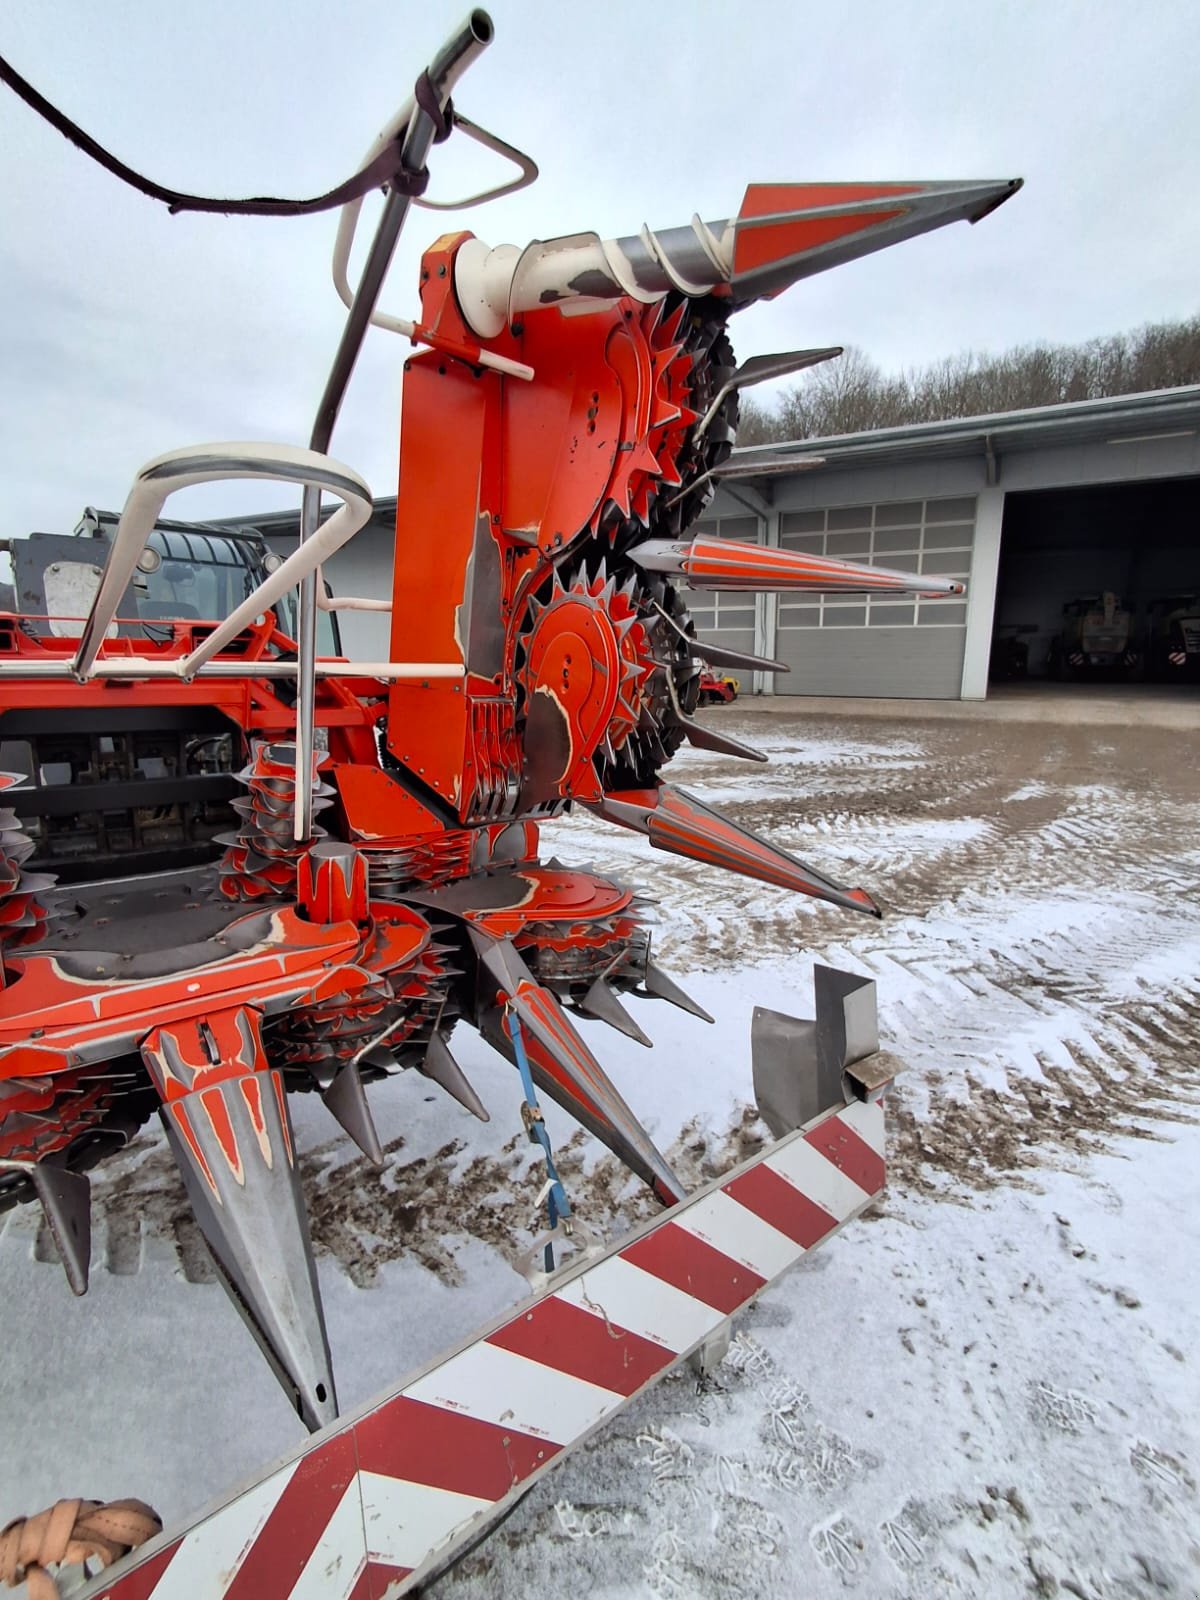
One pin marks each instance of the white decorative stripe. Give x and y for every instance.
(737, 1232)
(332, 1570)
(210, 1555)
(405, 1522)
(625, 1295)
(866, 1118)
(495, 1385)
(807, 1169)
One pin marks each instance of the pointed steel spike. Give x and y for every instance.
(601, 1002)
(380, 1058)
(564, 1068)
(66, 1199)
(678, 822)
(255, 1224)
(757, 370)
(657, 983)
(728, 566)
(347, 1100)
(705, 738)
(441, 1068)
(502, 960)
(717, 655)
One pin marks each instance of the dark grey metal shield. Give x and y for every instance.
(800, 1066)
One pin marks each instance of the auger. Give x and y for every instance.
(568, 410)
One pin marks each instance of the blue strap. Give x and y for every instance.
(557, 1204)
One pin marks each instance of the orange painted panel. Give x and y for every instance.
(758, 247)
(438, 504)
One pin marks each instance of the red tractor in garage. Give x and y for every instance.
(718, 689)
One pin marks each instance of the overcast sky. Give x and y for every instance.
(127, 332)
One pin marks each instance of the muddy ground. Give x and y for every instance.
(987, 1389)
(1037, 968)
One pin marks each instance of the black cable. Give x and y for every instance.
(384, 170)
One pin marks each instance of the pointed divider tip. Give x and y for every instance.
(601, 1002)
(657, 984)
(702, 737)
(441, 1068)
(250, 1208)
(346, 1098)
(66, 1199)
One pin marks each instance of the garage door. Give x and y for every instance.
(857, 645)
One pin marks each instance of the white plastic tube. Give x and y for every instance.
(208, 463)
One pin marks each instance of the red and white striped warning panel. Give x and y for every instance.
(378, 1501)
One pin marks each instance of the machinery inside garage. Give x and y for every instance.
(1100, 584)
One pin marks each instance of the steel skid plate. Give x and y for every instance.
(377, 1503)
(801, 1067)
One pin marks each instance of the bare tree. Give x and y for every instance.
(853, 394)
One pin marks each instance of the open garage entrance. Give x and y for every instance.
(1064, 550)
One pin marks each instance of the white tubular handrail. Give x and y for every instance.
(343, 242)
(149, 667)
(348, 226)
(206, 463)
(348, 602)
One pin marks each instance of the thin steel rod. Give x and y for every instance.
(451, 61)
(23, 668)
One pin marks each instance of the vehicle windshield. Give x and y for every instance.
(201, 575)
(187, 576)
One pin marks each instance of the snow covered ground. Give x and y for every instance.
(989, 1387)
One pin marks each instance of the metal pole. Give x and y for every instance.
(451, 61)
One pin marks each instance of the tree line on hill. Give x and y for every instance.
(852, 393)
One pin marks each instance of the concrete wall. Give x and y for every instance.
(1121, 461)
